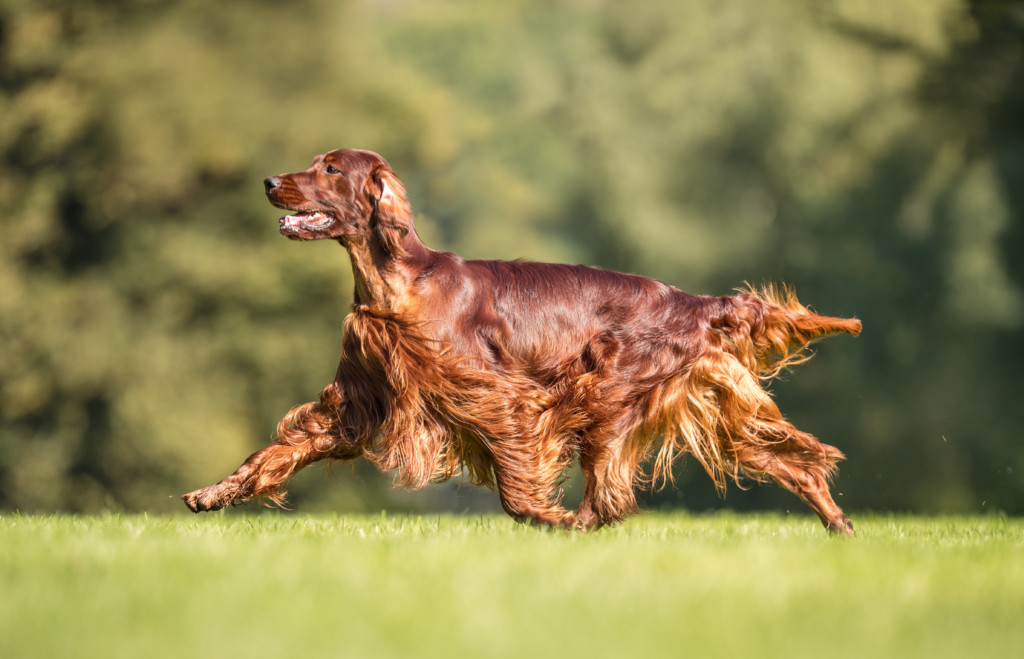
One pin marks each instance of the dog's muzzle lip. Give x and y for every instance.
(306, 221)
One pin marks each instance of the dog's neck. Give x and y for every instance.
(382, 280)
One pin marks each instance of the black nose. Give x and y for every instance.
(271, 182)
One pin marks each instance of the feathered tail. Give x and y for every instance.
(769, 330)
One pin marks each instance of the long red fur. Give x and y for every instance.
(507, 372)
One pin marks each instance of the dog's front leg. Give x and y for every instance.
(263, 473)
(308, 433)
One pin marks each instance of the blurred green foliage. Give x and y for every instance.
(154, 326)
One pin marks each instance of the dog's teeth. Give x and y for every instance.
(307, 220)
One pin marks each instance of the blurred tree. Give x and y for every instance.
(154, 326)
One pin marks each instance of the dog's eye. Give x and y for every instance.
(331, 169)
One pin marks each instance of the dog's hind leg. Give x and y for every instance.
(802, 465)
(794, 459)
(608, 480)
(761, 443)
(811, 485)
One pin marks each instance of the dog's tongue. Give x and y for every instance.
(293, 221)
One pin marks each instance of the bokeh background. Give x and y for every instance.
(154, 326)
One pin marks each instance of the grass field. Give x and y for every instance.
(289, 585)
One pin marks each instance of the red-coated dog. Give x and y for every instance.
(508, 371)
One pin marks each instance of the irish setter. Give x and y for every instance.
(508, 371)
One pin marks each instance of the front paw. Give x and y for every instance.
(844, 528)
(208, 498)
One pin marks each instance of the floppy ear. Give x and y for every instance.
(392, 216)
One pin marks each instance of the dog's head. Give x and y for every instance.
(348, 195)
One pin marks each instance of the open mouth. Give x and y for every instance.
(308, 221)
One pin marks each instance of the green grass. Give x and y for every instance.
(660, 585)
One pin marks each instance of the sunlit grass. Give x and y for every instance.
(372, 586)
